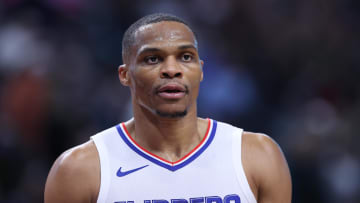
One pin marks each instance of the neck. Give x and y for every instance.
(169, 138)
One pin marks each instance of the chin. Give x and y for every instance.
(173, 114)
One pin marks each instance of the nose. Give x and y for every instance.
(171, 68)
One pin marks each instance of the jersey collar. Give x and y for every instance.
(172, 166)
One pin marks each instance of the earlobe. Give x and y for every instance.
(202, 70)
(201, 63)
(124, 75)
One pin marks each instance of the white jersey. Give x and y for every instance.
(211, 173)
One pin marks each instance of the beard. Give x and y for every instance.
(178, 114)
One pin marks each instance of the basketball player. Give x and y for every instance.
(165, 153)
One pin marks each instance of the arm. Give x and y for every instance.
(75, 176)
(266, 168)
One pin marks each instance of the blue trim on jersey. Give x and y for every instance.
(162, 164)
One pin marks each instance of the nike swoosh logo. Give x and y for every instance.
(120, 173)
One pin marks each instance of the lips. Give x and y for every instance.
(172, 91)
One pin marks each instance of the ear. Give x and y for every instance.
(202, 71)
(123, 72)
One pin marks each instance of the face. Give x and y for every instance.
(164, 70)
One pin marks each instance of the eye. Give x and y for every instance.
(187, 57)
(152, 59)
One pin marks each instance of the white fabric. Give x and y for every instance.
(212, 173)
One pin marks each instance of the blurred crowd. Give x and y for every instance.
(289, 69)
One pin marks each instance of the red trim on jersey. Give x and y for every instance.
(162, 159)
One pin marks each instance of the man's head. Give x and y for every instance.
(161, 66)
(129, 36)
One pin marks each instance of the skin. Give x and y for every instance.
(166, 53)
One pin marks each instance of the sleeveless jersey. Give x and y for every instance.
(211, 173)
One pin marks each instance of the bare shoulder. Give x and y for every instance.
(266, 167)
(261, 143)
(75, 175)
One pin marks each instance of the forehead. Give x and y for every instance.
(165, 33)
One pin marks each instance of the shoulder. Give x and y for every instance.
(261, 153)
(261, 144)
(265, 164)
(81, 158)
(75, 175)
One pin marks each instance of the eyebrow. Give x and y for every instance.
(152, 49)
(149, 49)
(190, 46)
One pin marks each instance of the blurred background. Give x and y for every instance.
(289, 69)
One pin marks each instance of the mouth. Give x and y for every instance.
(172, 91)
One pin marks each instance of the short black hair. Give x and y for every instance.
(129, 36)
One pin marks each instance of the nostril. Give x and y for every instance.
(171, 72)
(171, 75)
(166, 75)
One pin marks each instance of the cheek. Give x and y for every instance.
(142, 82)
(195, 77)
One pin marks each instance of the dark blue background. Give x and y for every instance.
(289, 69)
